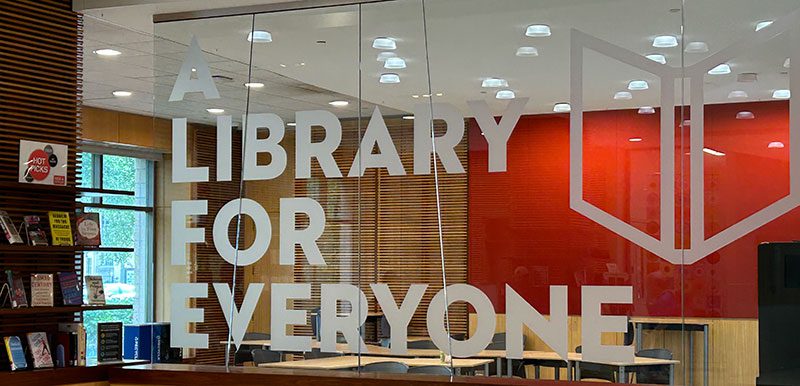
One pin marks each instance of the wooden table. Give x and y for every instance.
(677, 324)
(622, 367)
(350, 361)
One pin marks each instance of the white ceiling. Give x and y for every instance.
(468, 40)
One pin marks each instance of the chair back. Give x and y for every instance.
(657, 375)
(256, 336)
(265, 356)
(629, 335)
(244, 352)
(315, 353)
(386, 367)
(421, 344)
(433, 370)
(596, 370)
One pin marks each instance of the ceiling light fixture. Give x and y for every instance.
(745, 115)
(713, 152)
(415, 96)
(408, 117)
(537, 30)
(623, 95)
(254, 85)
(562, 107)
(390, 78)
(638, 85)
(526, 52)
(763, 24)
(439, 94)
(737, 94)
(781, 94)
(385, 55)
(338, 103)
(720, 69)
(787, 63)
(122, 93)
(282, 65)
(696, 48)
(107, 52)
(635, 139)
(394, 63)
(776, 145)
(384, 43)
(657, 58)
(644, 110)
(494, 82)
(665, 41)
(259, 37)
(505, 94)
(292, 124)
(215, 111)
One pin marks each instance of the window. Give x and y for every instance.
(121, 189)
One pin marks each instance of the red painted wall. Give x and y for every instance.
(522, 231)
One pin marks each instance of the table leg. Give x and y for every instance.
(705, 355)
(536, 372)
(557, 373)
(486, 370)
(458, 371)
(569, 370)
(691, 358)
(577, 371)
(672, 375)
(499, 367)
(622, 376)
(638, 337)
(509, 370)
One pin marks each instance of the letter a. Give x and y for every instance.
(184, 83)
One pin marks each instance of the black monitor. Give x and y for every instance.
(779, 313)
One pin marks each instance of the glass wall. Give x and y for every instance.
(604, 177)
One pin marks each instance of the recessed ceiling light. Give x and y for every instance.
(637, 85)
(107, 52)
(504, 94)
(384, 43)
(745, 115)
(562, 107)
(713, 152)
(527, 51)
(787, 63)
(696, 47)
(426, 95)
(763, 24)
(390, 78)
(301, 64)
(408, 117)
(665, 41)
(439, 94)
(494, 82)
(415, 96)
(635, 139)
(122, 93)
(292, 124)
(720, 69)
(259, 37)
(623, 95)
(647, 110)
(537, 30)
(194, 69)
(776, 145)
(781, 94)
(338, 103)
(215, 111)
(386, 55)
(254, 85)
(657, 58)
(282, 65)
(394, 63)
(737, 94)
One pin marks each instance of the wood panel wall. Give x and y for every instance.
(116, 127)
(40, 88)
(206, 264)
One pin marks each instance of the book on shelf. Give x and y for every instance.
(76, 356)
(18, 296)
(15, 353)
(64, 345)
(71, 290)
(87, 227)
(40, 350)
(42, 290)
(94, 289)
(10, 231)
(109, 342)
(150, 341)
(32, 227)
(60, 228)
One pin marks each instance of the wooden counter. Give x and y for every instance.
(194, 375)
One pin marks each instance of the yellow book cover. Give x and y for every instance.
(60, 228)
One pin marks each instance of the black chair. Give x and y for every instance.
(596, 370)
(244, 352)
(432, 370)
(422, 344)
(629, 335)
(315, 353)
(386, 367)
(265, 356)
(657, 375)
(499, 342)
